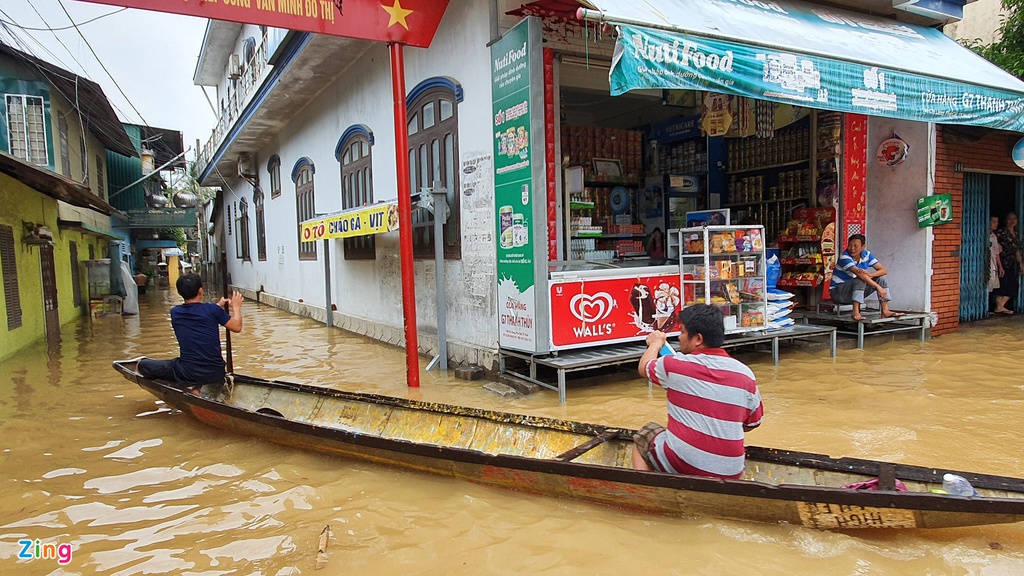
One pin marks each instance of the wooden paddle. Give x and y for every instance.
(224, 287)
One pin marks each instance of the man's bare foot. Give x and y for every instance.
(892, 314)
(858, 317)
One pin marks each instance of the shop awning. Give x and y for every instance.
(806, 54)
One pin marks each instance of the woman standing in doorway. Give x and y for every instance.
(1010, 256)
(995, 265)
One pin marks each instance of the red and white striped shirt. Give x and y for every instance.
(711, 397)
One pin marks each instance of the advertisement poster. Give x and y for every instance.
(514, 155)
(613, 310)
(934, 210)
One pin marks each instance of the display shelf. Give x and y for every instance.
(725, 266)
(788, 239)
(759, 202)
(771, 167)
(576, 205)
(607, 183)
(800, 261)
(788, 283)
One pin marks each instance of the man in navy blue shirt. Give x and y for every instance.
(197, 327)
(857, 274)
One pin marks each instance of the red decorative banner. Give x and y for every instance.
(855, 175)
(410, 22)
(550, 165)
(604, 311)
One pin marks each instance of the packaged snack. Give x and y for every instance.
(756, 242)
(732, 293)
(724, 269)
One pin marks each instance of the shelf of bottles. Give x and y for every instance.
(724, 266)
(770, 177)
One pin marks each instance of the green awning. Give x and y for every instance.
(806, 54)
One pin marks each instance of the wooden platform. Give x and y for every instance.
(871, 325)
(616, 354)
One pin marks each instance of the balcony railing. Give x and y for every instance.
(239, 92)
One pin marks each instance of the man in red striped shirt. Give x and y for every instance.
(712, 400)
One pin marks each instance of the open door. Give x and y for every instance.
(52, 315)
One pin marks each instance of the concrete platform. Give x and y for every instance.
(872, 324)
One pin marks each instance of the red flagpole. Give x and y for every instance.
(412, 366)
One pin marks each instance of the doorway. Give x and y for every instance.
(985, 195)
(50, 312)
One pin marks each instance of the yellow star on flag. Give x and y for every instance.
(397, 14)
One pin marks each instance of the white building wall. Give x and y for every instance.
(892, 232)
(981, 22)
(368, 293)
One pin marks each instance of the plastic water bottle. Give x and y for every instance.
(666, 350)
(957, 486)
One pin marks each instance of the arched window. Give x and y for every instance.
(433, 157)
(274, 170)
(261, 225)
(302, 175)
(249, 51)
(242, 230)
(353, 154)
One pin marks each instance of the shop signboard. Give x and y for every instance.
(161, 217)
(410, 22)
(934, 210)
(517, 102)
(648, 58)
(610, 310)
(364, 221)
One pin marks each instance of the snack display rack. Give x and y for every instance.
(725, 266)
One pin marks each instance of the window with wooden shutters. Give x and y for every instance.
(65, 146)
(274, 169)
(357, 188)
(304, 205)
(76, 276)
(242, 230)
(261, 225)
(26, 128)
(9, 268)
(433, 153)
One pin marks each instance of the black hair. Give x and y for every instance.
(705, 320)
(860, 237)
(188, 286)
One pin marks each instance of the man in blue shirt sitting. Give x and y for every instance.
(197, 327)
(858, 274)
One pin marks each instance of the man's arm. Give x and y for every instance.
(235, 302)
(869, 280)
(879, 270)
(655, 340)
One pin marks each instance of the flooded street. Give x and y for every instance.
(89, 459)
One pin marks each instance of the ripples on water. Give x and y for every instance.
(91, 460)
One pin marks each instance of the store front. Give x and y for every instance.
(756, 114)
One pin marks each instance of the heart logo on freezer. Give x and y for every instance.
(591, 308)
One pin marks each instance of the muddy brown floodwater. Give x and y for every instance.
(90, 460)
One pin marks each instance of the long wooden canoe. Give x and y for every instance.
(585, 461)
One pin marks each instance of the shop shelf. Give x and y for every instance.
(581, 205)
(786, 283)
(794, 239)
(769, 167)
(800, 261)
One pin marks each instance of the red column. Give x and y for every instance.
(412, 366)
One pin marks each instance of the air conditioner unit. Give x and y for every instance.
(247, 167)
(234, 68)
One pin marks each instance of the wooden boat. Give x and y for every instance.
(585, 461)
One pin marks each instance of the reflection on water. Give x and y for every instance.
(89, 459)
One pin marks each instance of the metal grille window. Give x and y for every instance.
(274, 169)
(433, 149)
(261, 226)
(101, 183)
(76, 276)
(356, 191)
(65, 146)
(242, 236)
(9, 269)
(304, 208)
(26, 127)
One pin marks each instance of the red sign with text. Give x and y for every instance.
(610, 310)
(410, 22)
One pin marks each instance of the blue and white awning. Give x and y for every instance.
(805, 54)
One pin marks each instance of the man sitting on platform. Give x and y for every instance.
(858, 274)
(712, 400)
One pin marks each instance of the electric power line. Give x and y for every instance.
(48, 29)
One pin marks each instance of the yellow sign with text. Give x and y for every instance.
(363, 221)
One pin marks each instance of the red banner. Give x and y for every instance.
(410, 22)
(605, 311)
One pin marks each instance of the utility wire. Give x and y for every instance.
(48, 29)
(100, 62)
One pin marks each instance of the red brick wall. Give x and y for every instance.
(978, 150)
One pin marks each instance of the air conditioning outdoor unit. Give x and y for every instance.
(234, 68)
